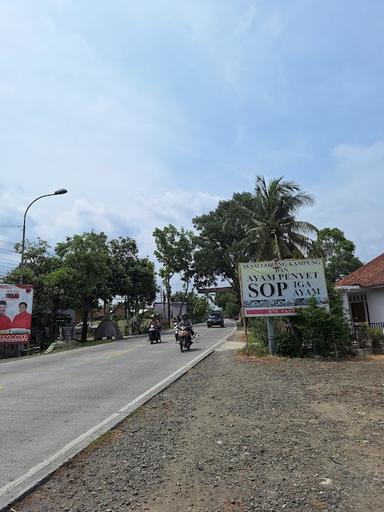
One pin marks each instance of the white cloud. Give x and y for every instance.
(137, 218)
(82, 108)
(351, 198)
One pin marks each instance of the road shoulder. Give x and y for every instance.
(235, 434)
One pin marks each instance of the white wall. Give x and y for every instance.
(161, 309)
(375, 298)
(346, 308)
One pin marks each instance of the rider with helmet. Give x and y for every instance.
(155, 324)
(185, 323)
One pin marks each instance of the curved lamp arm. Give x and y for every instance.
(57, 192)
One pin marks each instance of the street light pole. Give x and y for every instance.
(56, 193)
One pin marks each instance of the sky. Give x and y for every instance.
(150, 112)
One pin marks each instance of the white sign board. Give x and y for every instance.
(270, 288)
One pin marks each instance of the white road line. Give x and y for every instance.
(24, 484)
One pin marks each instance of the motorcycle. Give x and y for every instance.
(154, 334)
(184, 337)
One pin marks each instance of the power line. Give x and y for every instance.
(7, 268)
(7, 251)
(12, 256)
(7, 242)
(11, 261)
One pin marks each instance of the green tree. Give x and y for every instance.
(142, 287)
(85, 273)
(175, 251)
(337, 251)
(250, 226)
(124, 255)
(275, 231)
(219, 233)
(85, 269)
(197, 307)
(229, 303)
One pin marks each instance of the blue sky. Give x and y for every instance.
(149, 112)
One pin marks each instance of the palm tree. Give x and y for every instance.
(275, 231)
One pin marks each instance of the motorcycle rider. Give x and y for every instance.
(186, 324)
(155, 323)
(176, 322)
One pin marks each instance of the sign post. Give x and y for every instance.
(281, 288)
(271, 335)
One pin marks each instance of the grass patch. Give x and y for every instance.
(255, 347)
(72, 345)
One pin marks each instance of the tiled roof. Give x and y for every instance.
(370, 274)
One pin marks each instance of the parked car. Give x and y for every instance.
(91, 328)
(215, 318)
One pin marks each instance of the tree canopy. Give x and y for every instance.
(275, 231)
(337, 251)
(175, 251)
(257, 226)
(83, 270)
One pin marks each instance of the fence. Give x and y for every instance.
(360, 333)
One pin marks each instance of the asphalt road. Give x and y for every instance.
(47, 402)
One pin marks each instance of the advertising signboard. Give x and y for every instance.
(279, 288)
(15, 313)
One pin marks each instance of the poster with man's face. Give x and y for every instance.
(15, 313)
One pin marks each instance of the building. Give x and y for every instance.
(363, 293)
(177, 308)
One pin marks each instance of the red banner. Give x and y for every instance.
(15, 313)
(270, 311)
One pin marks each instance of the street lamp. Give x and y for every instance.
(56, 193)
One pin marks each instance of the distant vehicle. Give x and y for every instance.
(91, 328)
(215, 318)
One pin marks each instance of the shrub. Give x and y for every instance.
(231, 309)
(256, 348)
(376, 336)
(257, 338)
(326, 331)
(258, 330)
(288, 344)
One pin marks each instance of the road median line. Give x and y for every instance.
(21, 486)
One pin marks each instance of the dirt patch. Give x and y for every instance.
(238, 335)
(235, 434)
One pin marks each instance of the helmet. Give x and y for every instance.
(184, 316)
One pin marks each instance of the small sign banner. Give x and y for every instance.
(15, 313)
(280, 288)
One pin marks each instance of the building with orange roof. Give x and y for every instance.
(363, 293)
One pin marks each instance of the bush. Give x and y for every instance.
(376, 336)
(231, 309)
(257, 338)
(288, 344)
(256, 348)
(326, 331)
(258, 330)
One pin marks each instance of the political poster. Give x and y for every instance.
(15, 313)
(280, 288)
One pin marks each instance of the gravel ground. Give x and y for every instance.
(236, 434)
